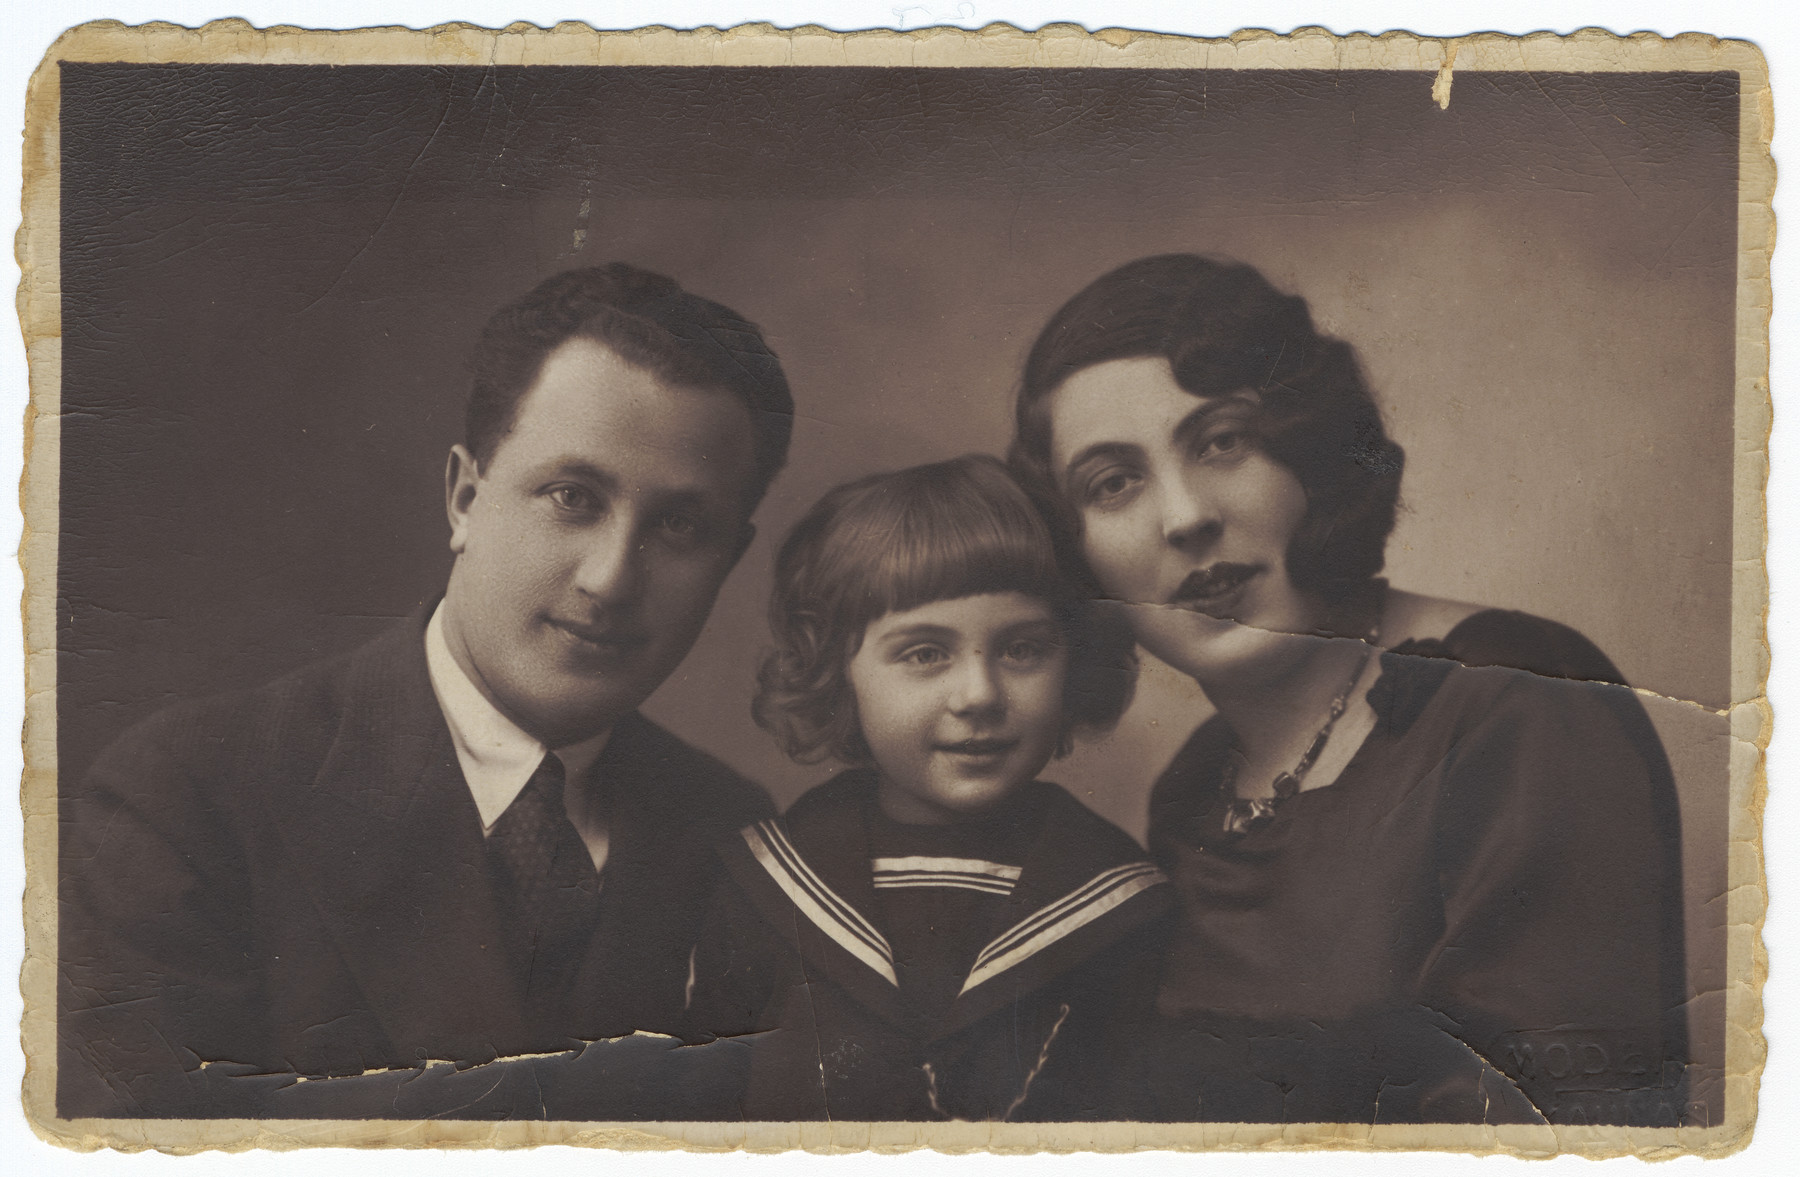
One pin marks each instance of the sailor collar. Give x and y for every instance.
(1074, 896)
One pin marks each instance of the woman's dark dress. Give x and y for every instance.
(1480, 919)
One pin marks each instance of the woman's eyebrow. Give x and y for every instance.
(1184, 428)
(1119, 450)
(1208, 409)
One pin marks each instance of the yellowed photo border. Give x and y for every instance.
(996, 46)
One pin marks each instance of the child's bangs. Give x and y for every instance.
(959, 537)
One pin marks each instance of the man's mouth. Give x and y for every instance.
(1213, 589)
(612, 639)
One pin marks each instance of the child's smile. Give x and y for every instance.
(960, 702)
(979, 752)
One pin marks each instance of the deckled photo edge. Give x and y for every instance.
(1589, 50)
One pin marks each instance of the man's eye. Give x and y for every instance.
(681, 526)
(573, 498)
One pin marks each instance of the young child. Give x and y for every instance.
(933, 933)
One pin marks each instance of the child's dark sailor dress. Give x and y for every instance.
(987, 971)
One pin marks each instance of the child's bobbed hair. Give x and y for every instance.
(892, 542)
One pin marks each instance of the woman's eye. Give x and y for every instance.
(1224, 443)
(923, 655)
(1110, 486)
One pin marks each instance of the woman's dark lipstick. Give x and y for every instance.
(1213, 589)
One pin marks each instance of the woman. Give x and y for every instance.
(1427, 858)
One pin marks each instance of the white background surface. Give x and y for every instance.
(1773, 25)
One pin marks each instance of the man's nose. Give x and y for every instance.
(611, 567)
(1190, 512)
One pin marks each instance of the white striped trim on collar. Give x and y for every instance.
(969, 874)
(1054, 921)
(827, 909)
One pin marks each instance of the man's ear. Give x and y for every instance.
(461, 478)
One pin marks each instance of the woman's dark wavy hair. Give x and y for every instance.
(893, 542)
(1223, 328)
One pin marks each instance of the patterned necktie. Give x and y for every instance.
(548, 881)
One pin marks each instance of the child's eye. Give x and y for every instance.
(1025, 650)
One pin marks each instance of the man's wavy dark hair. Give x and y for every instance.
(892, 542)
(650, 321)
(1223, 329)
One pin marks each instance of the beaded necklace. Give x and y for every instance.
(1245, 814)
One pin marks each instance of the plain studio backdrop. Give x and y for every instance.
(272, 278)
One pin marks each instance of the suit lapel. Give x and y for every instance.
(389, 841)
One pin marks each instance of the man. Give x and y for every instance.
(460, 841)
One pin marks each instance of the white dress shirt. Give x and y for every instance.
(498, 757)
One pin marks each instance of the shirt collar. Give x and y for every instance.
(497, 756)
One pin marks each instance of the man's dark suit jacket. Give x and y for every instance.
(293, 881)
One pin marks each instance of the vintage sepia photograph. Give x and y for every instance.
(972, 590)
